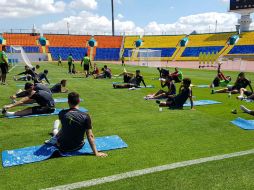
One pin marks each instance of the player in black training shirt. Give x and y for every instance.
(241, 82)
(178, 101)
(28, 75)
(133, 82)
(41, 97)
(42, 76)
(59, 87)
(36, 87)
(75, 124)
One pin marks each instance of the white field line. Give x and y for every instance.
(12, 68)
(136, 173)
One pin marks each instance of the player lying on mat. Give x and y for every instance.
(41, 97)
(241, 82)
(135, 81)
(161, 94)
(177, 102)
(75, 124)
(59, 87)
(220, 79)
(163, 72)
(28, 75)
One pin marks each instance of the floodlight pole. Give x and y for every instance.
(113, 19)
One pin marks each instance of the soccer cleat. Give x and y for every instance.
(4, 111)
(240, 97)
(158, 101)
(51, 141)
(213, 91)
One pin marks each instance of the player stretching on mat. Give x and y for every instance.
(178, 101)
(41, 97)
(177, 76)
(161, 94)
(29, 74)
(60, 87)
(24, 93)
(135, 82)
(220, 79)
(241, 82)
(42, 76)
(87, 64)
(75, 124)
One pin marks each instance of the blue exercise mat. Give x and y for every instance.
(202, 103)
(244, 124)
(22, 85)
(44, 152)
(63, 100)
(248, 100)
(203, 86)
(56, 112)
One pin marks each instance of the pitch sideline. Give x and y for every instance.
(151, 170)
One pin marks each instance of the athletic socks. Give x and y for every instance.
(56, 127)
(244, 109)
(8, 114)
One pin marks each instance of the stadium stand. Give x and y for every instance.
(205, 43)
(108, 48)
(67, 40)
(20, 39)
(245, 45)
(77, 53)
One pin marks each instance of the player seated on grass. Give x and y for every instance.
(177, 76)
(135, 82)
(246, 110)
(161, 94)
(177, 102)
(107, 72)
(41, 77)
(87, 64)
(23, 93)
(220, 79)
(59, 87)
(96, 70)
(126, 76)
(28, 75)
(41, 97)
(241, 82)
(75, 124)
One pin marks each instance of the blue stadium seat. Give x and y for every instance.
(27, 49)
(107, 54)
(195, 51)
(77, 53)
(243, 49)
(165, 52)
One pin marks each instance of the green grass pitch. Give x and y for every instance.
(154, 138)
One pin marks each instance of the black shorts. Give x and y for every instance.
(248, 93)
(231, 88)
(4, 68)
(216, 82)
(42, 110)
(86, 67)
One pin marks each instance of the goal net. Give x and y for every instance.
(17, 56)
(145, 57)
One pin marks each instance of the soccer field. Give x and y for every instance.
(154, 138)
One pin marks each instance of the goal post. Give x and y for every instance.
(145, 57)
(17, 55)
